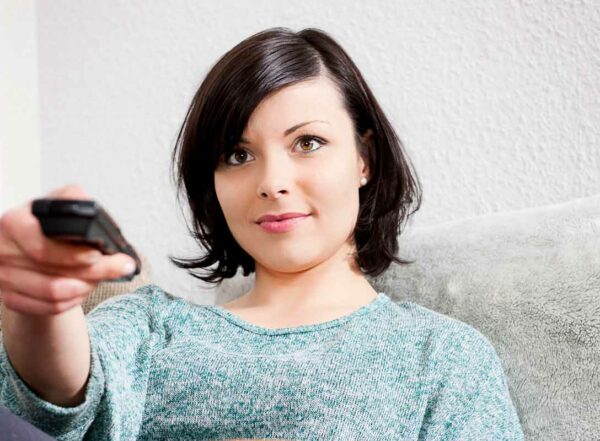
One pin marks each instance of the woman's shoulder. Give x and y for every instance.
(445, 332)
(149, 299)
(148, 293)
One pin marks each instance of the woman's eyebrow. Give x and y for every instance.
(291, 129)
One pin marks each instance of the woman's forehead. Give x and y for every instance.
(301, 101)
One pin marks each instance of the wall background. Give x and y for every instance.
(497, 102)
(19, 103)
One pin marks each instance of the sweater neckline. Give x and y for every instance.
(238, 321)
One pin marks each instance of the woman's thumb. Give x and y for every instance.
(69, 191)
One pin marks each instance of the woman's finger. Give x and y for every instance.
(107, 267)
(21, 235)
(42, 287)
(27, 305)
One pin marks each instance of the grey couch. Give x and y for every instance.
(529, 280)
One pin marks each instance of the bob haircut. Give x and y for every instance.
(255, 68)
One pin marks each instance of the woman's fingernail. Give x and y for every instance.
(128, 268)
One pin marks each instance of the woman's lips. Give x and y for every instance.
(283, 225)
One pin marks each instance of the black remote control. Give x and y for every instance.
(83, 222)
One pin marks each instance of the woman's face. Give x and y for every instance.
(316, 169)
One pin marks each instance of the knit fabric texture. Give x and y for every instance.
(163, 368)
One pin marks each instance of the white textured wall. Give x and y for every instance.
(19, 104)
(497, 101)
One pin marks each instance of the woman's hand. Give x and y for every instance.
(43, 276)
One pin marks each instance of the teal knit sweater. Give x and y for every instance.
(167, 369)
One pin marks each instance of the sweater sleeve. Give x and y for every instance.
(470, 399)
(123, 333)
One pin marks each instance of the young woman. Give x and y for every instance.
(292, 172)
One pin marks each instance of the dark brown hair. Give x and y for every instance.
(259, 66)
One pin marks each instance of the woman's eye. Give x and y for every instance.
(307, 140)
(237, 151)
(304, 141)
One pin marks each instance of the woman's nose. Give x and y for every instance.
(271, 191)
(275, 178)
